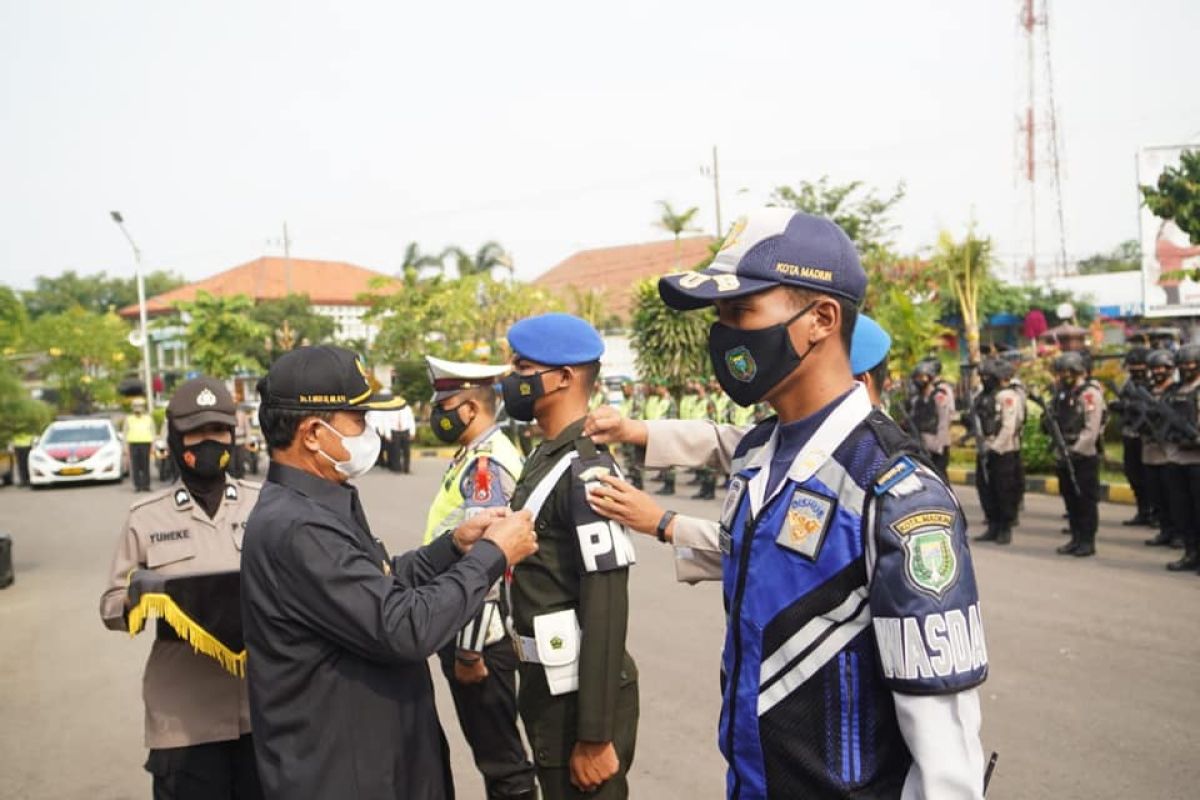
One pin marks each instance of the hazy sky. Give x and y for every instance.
(547, 126)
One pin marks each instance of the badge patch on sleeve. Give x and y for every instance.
(808, 518)
(903, 467)
(929, 559)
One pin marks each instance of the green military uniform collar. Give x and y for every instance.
(564, 439)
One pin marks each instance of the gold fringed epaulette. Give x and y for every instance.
(210, 597)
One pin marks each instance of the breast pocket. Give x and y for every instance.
(161, 554)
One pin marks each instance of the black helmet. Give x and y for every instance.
(1188, 354)
(1072, 362)
(1056, 365)
(1136, 356)
(1160, 358)
(927, 368)
(1002, 369)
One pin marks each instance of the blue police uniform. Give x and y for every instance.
(854, 640)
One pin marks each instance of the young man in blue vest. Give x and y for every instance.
(479, 663)
(851, 658)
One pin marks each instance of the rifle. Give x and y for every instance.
(1170, 419)
(975, 425)
(1056, 436)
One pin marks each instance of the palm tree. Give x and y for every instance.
(489, 256)
(677, 223)
(415, 261)
(965, 266)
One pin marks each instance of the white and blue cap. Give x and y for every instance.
(556, 340)
(869, 345)
(767, 248)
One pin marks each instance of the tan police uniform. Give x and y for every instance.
(190, 699)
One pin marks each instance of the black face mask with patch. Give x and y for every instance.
(201, 468)
(447, 424)
(749, 364)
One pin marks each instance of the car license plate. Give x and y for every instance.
(72, 471)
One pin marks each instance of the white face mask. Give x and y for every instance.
(363, 450)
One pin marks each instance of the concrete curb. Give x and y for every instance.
(1109, 492)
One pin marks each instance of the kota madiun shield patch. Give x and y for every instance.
(929, 557)
(741, 364)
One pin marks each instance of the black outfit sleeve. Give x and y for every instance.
(336, 587)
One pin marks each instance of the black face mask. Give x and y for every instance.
(207, 459)
(447, 424)
(749, 364)
(520, 392)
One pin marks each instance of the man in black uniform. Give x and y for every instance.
(931, 411)
(1079, 410)
(578, 692)
(338, 633)
(1131, 435)
(1183, 455)
(1001, 411)
(1160, 364)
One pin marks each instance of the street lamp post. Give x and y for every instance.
(141, 292)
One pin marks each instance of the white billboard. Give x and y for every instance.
(1165, 248)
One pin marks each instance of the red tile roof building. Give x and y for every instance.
(615, 270)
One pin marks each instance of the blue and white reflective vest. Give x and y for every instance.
(850, 581)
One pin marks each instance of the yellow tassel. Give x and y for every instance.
(161, 605)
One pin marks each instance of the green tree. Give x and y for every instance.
(1175, 196)
(668, 345)
(99, 293)
(19, 413)
(222, 334)
(677, 223)
(415, 262)
(914, 327)
(592, 305)
(289, 322)
(965, 268)
(13, 321)
(863, 213)
(1125, 257)
(86, 353)
(489, 256)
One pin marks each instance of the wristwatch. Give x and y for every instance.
(661, 530)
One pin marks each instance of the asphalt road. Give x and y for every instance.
(1094, 689)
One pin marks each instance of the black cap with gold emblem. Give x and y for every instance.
(322, 378)
(199, 402)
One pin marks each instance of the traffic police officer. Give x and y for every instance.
(197, 716)
(1132, 434)
(631, 406)
(661, 405)
(138, 430)
(1001, 410)
(855, 641)
(338, 633)
(480, 664)
(932, 412)
(1079, 410)
(1160, 364)
(1183, 455)
(578, 691)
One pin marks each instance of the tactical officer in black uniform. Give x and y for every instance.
(1079, 410)
(1001, 411)
(1160, 364)
(1132, 420)
(930, 412)
(1183, 455)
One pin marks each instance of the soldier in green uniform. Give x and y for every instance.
(578, 695)
(480, 664)
(631, 407)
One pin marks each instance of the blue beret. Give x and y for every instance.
(556, 340)
(767, 248)
(868, 346)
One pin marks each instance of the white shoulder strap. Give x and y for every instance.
(537, 498)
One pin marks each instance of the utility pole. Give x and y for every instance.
(287, 260)
(714, 173)
(141, 292)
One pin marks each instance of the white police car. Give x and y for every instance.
(75, 450)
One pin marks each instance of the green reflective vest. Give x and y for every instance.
(449, 504)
